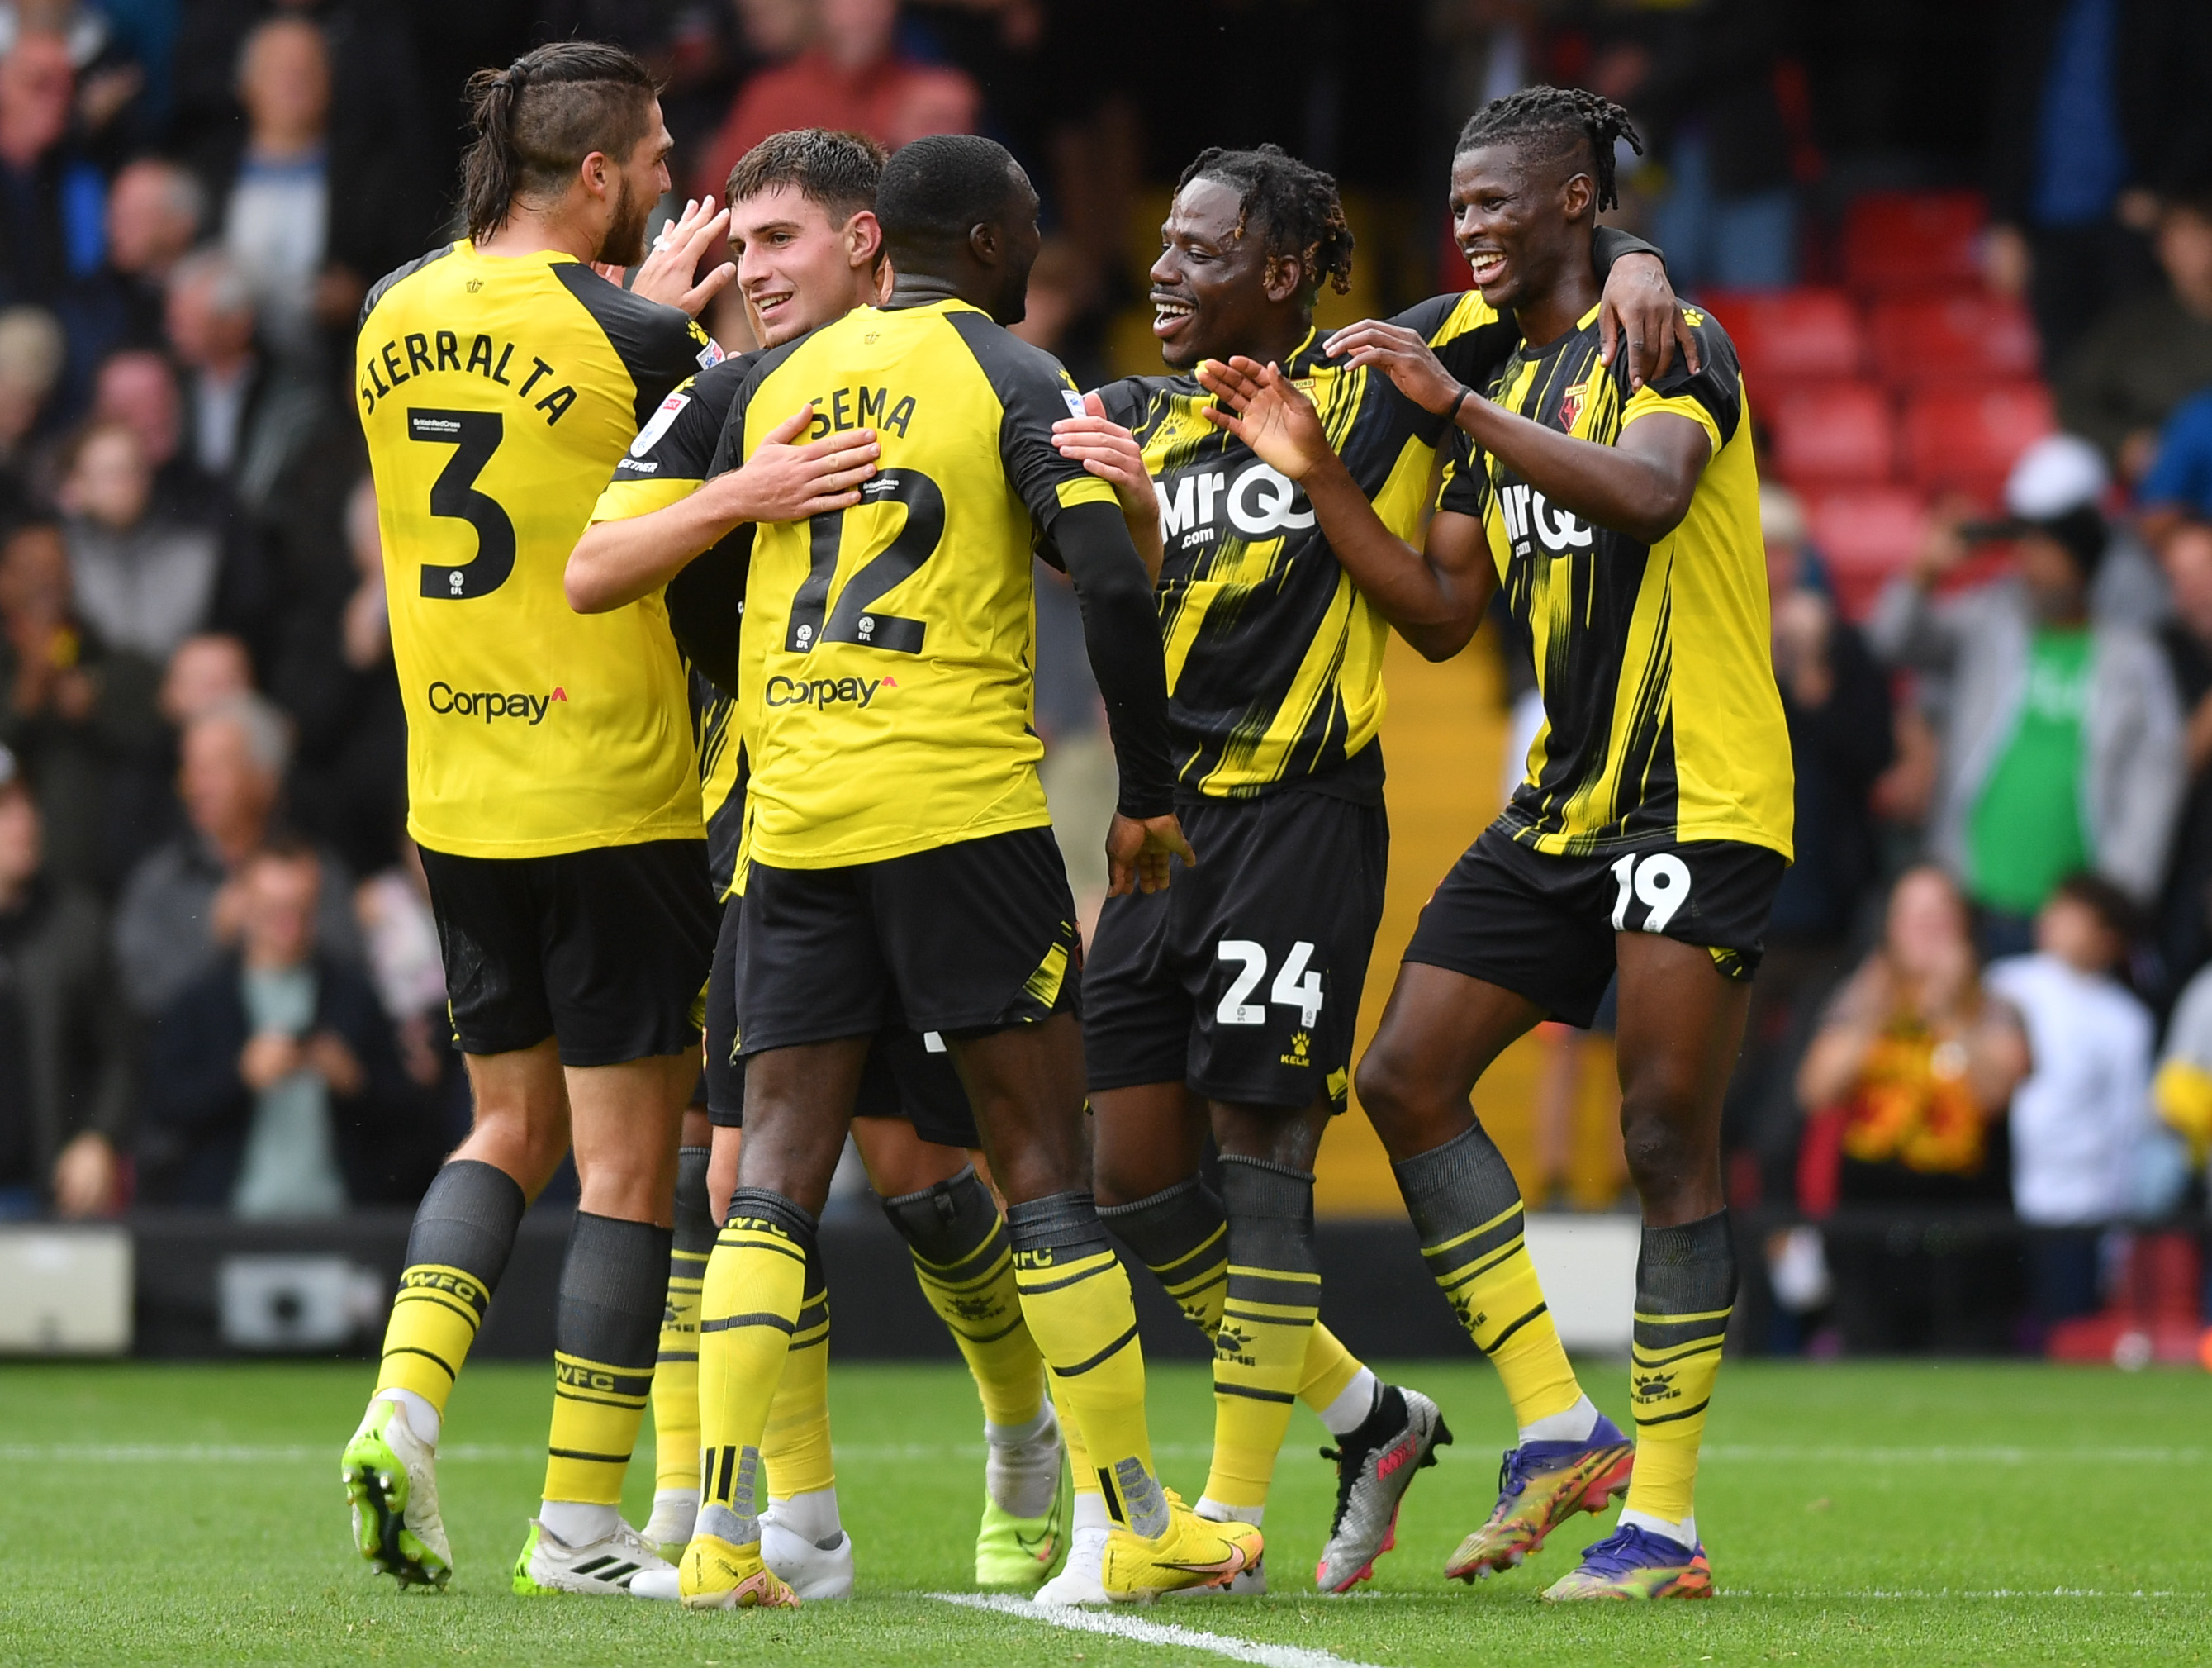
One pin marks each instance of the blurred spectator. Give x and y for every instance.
(316, 109)
(145, 579)
(335, 675)
(251, 420)
(155, 212)
(2179, 482)
(1911, 1066)
(2181, 1093)
(2081, 130)
(1728, 115)
(2062, 745)
(32, 350)
(118, 50)
(179, 908)
(273, 1085)
(52, 197)
(1837, 702)
(138, 387)
(393, 907)
(851, 75)
(2185, 914)
(76, 717)
(65, 1099)
(2080, 1119)
(1061, 314)
(2143, 358)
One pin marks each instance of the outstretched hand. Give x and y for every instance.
(1137, 851)
(666, 272)
(1402, 356)
(1267, 412)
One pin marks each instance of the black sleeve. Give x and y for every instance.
(1717, 384)
(1610, 243)
(658, 345)
(679, 440)
(706, 607)
(1121, 633)
(1034, 392)
(1466, 482)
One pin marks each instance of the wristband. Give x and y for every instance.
(1466, 393)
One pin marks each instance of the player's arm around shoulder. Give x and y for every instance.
(666, 505)
(1101, 441)
(1433, 597)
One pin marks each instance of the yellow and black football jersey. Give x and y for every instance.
(722, 776)
(888, 650)
(1274, 656)
(496, 394)
(1661, 718)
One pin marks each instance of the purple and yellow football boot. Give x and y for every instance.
(1635, 1563)
(1539, 1486)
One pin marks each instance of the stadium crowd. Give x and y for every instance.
(1986, 416)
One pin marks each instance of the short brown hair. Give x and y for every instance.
(837, 171)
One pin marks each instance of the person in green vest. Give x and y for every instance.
(2063, 735)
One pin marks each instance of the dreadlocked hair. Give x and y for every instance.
(1554, 123)
(535, 121)
(1295, 208)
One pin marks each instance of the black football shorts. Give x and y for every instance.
(603, 950)
(908, 1074)
(960, 939)
(1544, 925)
(1242, 978)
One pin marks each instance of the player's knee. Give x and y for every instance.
(1390, 1092)
(1658, 1139)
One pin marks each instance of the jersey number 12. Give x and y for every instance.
(474, 436)
(855, 619)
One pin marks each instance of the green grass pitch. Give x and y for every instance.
(1863, 1513)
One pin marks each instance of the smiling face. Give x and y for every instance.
(796, 270)
(1517, 224)
(1213, 290)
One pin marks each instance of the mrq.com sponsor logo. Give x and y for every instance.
(492, 706)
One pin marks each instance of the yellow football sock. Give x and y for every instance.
(755, 1287)
(457, 1250)
(1259, 1353)
(1329, 1370)
(605, 1331)
(1075, 1296)
(1467, 1207)
(1685, 1289)
(795, 1443)
(676, 1370)
(964, 1264)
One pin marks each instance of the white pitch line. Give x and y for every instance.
(1118, 1624)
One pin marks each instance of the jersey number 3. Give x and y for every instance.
(474, 436)
(855, 619)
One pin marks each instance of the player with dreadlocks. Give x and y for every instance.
(1226, 1004)
(1649, 834)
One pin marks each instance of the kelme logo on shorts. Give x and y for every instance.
(820, 692)
(490, 705)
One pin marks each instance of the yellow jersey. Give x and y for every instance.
(1661, 721)
(888, 650)
(496, 394)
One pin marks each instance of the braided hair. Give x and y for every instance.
(1295, 208)
(534, 122)
(1555, 123)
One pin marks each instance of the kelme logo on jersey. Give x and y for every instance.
(490, 706)
(1529, 517)
(1258, 501)
(822, 692)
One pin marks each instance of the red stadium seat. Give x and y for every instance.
(1965, 439)
(1829, 434)
(1786, 335)
(1867, 534)
(1969, 336)
(1914, 240)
